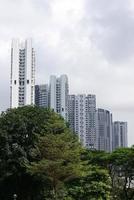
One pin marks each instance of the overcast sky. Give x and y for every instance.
(92, 41)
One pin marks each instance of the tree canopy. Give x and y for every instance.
(41, 159)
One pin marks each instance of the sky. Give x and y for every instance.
(92, 41)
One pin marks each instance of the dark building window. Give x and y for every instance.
(27, 81)
(15, 82)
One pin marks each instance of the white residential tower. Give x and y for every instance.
(82, 118)
(22, 83)
(58, 94)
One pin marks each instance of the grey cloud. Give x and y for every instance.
(113, 28)
(42, 5)
(47, 62)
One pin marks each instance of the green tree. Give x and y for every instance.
(95, 184)
(121, 169)
(59, 163)
(40, 159)
(120, 166)
(19, 132)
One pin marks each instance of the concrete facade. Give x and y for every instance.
(58, 93)
(120, 134)
(22, 81)
(82, 118)
(104, 130)
(42, 95)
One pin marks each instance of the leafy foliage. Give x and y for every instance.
(41, 159)
(121, 169)
(19, 133)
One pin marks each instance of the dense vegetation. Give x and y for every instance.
(40, 159)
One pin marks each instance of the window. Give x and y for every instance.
(14, 82)
(27, 81)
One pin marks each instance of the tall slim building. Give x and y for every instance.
(22, 83)
(71, 112)
(42, 95)
(82, 118)
(58, 94)
(104, 130)
(119, 134)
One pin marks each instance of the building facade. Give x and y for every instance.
(71, 112)
(42, 95)
(22, 82)
(82, 118)
(104, 130)
(119, 134)
(58, 95)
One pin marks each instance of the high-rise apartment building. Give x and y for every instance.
(104, 130)
(82, 118)
(42, 95)
(58, 93)
(71, 112)
(119, 134)
(22, 83)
